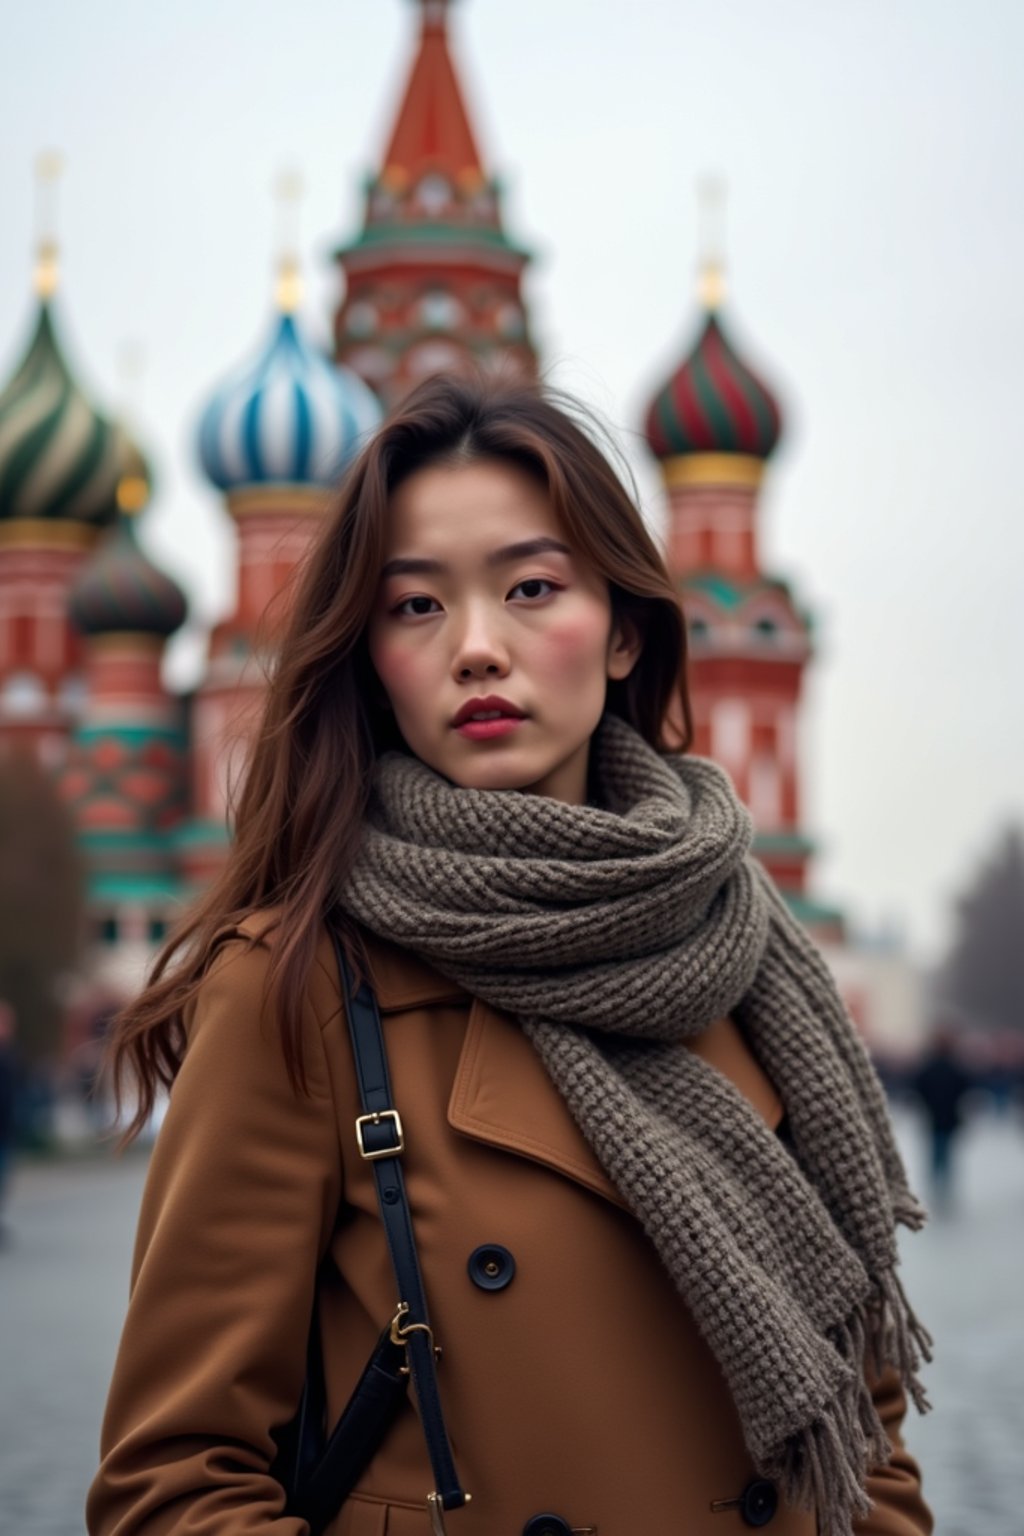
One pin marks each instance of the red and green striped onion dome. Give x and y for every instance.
(713, 404)
(120, 590)
(60, 459)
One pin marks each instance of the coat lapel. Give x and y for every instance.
(503, 1095)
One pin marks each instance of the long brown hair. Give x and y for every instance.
(306, 784)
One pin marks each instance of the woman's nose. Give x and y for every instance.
(481, 646)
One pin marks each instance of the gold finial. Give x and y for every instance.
(133, 485)
(132, 493)
(49, 164)
(711, 205)
(288, 190)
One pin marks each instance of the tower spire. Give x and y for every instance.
(432, 281)
(133, 487)
(49, 164)
(288, 191)
(711, 247)
(432, 131)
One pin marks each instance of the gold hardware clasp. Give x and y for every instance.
(375, 1119)
(399, 1334)
(436, 1509)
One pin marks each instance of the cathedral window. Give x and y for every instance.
(434, 194)
(382, 203)
(73, 696)
(730, 732)
(440, 311)
(23, 694)
(361, 318)
(765, 797)
(511, 321)
(435, 357)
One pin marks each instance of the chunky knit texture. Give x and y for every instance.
(613, 931)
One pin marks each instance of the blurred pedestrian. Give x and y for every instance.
(87, 1064)
(7, 1097)
(941, 1083)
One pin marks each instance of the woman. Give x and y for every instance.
(652, 1178)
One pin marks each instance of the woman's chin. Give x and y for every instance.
(493, 775)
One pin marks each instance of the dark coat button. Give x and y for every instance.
(491, 1267)
(547, 1525)
(759, 1501)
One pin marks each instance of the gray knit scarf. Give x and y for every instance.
(613, 931)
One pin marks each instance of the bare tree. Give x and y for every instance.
(42, 893)
(983, 974)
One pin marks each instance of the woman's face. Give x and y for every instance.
(459, 615)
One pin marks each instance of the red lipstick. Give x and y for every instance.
(506, 717)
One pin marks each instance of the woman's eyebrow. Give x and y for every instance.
(410, 565)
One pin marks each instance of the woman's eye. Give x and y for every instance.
(528, 585)
(535, 581)
(405, 600)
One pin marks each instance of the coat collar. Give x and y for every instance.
(402, 979)
(502, 1094)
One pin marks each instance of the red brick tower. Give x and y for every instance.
(125, 778)
(713, 426)
(432, 283)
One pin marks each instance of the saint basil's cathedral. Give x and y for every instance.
(430, 283)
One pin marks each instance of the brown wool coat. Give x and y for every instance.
(582, 1388)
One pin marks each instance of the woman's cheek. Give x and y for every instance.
(570, 647)
(401, 668)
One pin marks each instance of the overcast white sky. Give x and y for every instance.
(875, 234)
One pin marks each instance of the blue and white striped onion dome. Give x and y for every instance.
(290, 418)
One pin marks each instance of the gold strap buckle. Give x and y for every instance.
(400, 1334)
(375, 1119)
(436, 1509)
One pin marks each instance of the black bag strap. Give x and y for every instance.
(380, 1141)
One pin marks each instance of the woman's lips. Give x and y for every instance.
(482, 730)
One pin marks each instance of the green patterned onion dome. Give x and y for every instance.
(713, 403)
(59, 458)
(120, 589)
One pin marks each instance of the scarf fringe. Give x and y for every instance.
(911, 1341)
(908, 1211)
(817, 1474)
(861, 1420)
(824, 1467)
